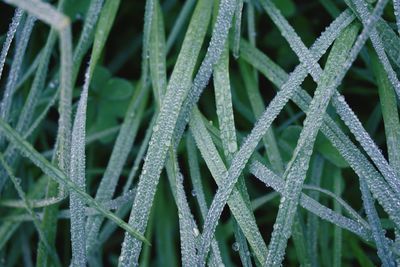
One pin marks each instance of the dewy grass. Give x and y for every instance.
(84, 111)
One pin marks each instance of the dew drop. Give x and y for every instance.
(235, 246)
(196, 232)
(155, 128)
(78, 16)
(194, 193)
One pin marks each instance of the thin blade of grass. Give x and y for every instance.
(28, 151)
(384, 252)
(157, 54)
(396, 5)
(13, 76)
(237, 28)
(198, 192)
(312, 220)
(160, 141)
(337, 232)
(296, 171)
(270, 179)
(77, 172)
(236, 202)
(27, 205)
(226, 121)
(247, 148)
(10, 36)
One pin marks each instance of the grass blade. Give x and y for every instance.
(384, 252)
(337, 232)
(247, 148)
(296, 171)
(10, 36)
(77, 172)
(28, 151)
(163, 129)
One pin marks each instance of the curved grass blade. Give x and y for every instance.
(236, 202)
(105, 22)
(10, 36)
(270, 179)
(337, 232)
(296, 171)
(14, 74)
(341, 106)
(163, 129)
(347, 149)
(388, 102)
(376, 40)
(226, 121)
(77, 173)
(127, 132)
(312, 220)
(237, 28)
(16, 181)
(247, 148)
(179, 24)
(198, 192)
(384, 252)
(396, 5)
(157, 54)
(28, 151)
(219, 36)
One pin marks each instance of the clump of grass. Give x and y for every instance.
(83, 111)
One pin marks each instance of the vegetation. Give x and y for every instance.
(208, 132)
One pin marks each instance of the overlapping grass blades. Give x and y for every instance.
(296, 163)
(160, 141)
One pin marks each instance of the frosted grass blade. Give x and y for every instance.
(160, 141)
(312, 220)
(237, 28)
(77, 173)
(187, 226)
(86, 36)
(28, 151)
(341, 106)
(376, 40)
(10, 36)
(226, 121)
(337, 232)
(6, 103)
(157, 55)
(179, 24)
(388, 102)
(396, 5)
(105, 22)
(297, 167)
(247, 148)
(219, 36)
(198, 192)
(347, 149)
(238, 206)
(270, 179)
(384, 252)
(127, 132)
(16, 181)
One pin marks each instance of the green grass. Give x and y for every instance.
(193, 133)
